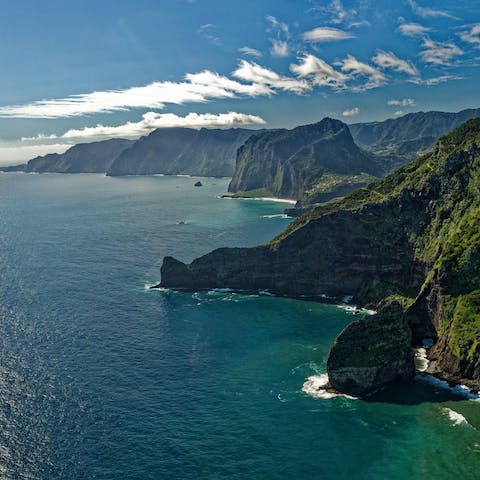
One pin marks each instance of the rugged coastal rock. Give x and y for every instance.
(182, 151)
(412, 236)
(372, 352)
(94, 157)
(317, 162)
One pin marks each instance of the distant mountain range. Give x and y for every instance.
(205, 152)
(95, 157)
(409, 135)
(312, 163)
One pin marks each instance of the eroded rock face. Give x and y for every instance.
(372, 352)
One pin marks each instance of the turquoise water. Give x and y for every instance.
(102, 378)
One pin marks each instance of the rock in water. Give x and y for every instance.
(372, 352)
(198, 184)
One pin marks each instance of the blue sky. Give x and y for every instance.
(86, 70)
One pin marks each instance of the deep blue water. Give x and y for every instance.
(102, 378)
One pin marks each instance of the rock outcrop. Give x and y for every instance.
(413, 236)
(182, 151)
(372, 352)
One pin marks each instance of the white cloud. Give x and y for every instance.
(398, 113)
(435, 80)
(151, 121)
(280, 41)
(336, 12)
(258, 75)
(390, 60)
(326, 34)
(353, 112)
(280, 48)
(276, 25)
(209, 32)
(426, 12)
(439, 53)
(13, 153)
(250, 51)
(319, 72)
(197, 88)
(375, 77)
(413, 29)
(472, 35)
(405, 102)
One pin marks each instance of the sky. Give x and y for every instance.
(80, 71)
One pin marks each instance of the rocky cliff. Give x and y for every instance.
(95, 157)
(412, 237)
(171, 151)
(313, 162)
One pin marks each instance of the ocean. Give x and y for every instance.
(102, 378)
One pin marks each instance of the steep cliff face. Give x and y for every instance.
(171, 151)
(307, 161)
(372, 353)
(408, 135)
(413, 235)
(95, 157)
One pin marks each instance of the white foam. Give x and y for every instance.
(265, 293)
(263, 199)
(316, 387)
(277, 215)
(455, 417)
(155, 288)
(421, 360)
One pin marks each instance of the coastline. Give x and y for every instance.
(290, 201)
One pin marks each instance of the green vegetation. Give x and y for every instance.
(448, 240)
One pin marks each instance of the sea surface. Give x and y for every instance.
(102, 378)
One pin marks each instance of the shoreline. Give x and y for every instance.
(290, 201)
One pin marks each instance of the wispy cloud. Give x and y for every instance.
(375, 77)
(398, 113)
(413, 29)
(405, 102)
(151, 121)
(277, 25)
(261, 76)
(352, 112)
(209, 32)
(326, 34)
(390, 60)
(197, 88)
(280, 48)
(319, 72)
(472, 35)
(336, 12)
(435, 80)
(280, 38)
(426, 12)
(439, 53)
(250, 51)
